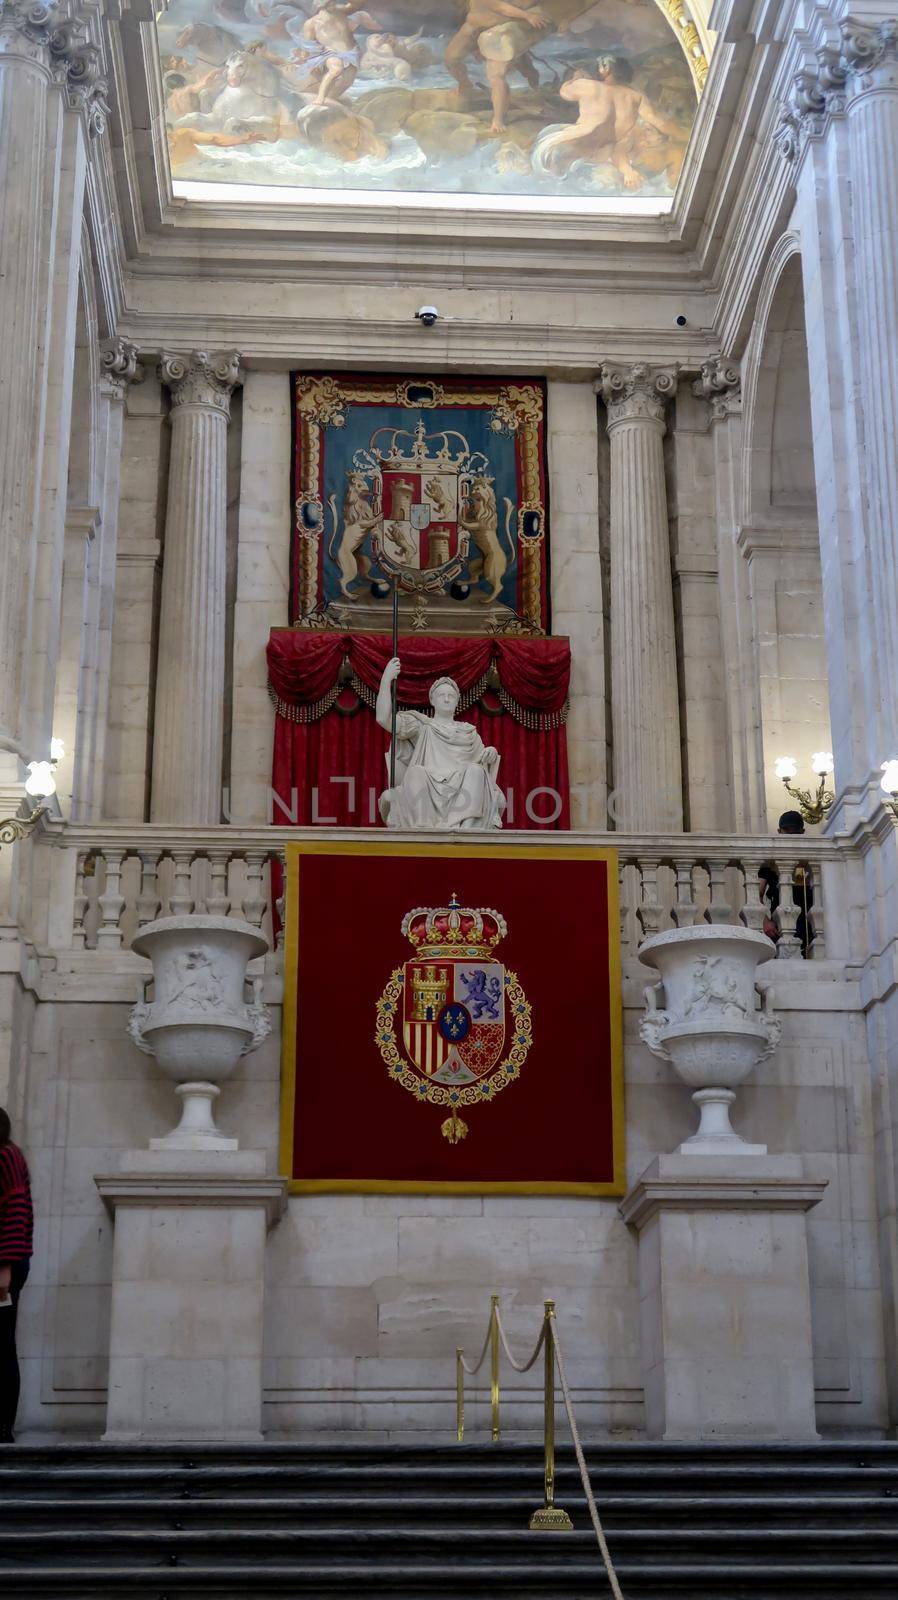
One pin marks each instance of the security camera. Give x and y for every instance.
(681, 321)
(428, 315)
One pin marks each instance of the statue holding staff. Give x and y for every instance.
(445, 776)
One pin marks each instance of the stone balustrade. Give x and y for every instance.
(109, 880)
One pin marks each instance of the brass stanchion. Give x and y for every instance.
(494, 1364)
(550, 1517)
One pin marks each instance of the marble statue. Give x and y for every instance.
(445, 774)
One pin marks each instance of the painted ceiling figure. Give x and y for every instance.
(483, 15)
(334, 65)
(610, 111)
(446, 774)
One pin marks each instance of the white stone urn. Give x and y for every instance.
(198, 1023)
(715, 1022)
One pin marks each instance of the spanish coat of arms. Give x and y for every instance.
(445, 1017)
(437, 489)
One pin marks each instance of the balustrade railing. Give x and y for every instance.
(119, 878)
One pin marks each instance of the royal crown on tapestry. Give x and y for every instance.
(434, 488)
(454, 930)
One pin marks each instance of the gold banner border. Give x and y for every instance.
(294, 852)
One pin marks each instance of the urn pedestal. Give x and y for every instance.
(192, 1212)
(725, 1305)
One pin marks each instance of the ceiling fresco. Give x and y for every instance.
(576, 99)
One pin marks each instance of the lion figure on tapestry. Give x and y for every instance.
(480, 518)
(361, 513)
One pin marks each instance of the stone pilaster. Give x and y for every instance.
(840, 132)
(870, 59)
(39, 52)
(720, 384)
(25, 78)
(190, 675)
(645, 712)
(87, 738)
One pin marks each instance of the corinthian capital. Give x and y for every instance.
(720, 383)
(635, 392)
(201, 378)
(26, 26)
(870, 53)
(818, 94)
(45, 33)
(118, 358)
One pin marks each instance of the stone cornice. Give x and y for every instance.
(200, 1189)
(751, 1192)
(201, 379)
(720, 383)
(55, 36)
(637, 392)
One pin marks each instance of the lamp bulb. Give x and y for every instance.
(40, 782)
(57, 749)
(890, 777)
(822, 763)
(786, 767)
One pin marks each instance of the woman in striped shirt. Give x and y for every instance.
(15, 1259)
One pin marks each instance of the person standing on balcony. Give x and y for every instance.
(16, 1225)
(790, 823)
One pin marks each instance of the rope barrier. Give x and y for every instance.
(550, 1516)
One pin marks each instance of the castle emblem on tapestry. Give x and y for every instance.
(445, 1017)
(435, 487)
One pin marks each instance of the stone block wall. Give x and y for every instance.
(367, 1296)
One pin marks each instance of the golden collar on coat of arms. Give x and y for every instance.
(446, 1017)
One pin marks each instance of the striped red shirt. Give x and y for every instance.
(16, 1218)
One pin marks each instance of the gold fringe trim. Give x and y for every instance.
(536, 721)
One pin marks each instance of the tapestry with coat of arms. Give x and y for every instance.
(452, 1019)
(437, 487)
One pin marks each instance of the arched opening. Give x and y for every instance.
(779, 538)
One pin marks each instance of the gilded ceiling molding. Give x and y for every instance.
(866, 59)
(680, 18)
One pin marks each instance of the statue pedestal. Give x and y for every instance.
(185, 1346)
(724, 1296)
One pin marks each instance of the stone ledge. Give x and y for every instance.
(199, 1189)
(704, 1183)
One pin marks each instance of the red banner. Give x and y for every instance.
(452, 1019)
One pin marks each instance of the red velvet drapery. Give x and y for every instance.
(329, 753)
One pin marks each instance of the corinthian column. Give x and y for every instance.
(190, 676)
(645, 711)
(870, 62)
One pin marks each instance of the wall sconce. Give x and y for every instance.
(813, 807)
(40, 785)
(889, 784)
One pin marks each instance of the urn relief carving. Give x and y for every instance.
(199, 1021)
(712, 1019)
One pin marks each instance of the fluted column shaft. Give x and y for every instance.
(24, 86)
(45, 50)
(190, 674)
(645, 712)
(871, 58)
